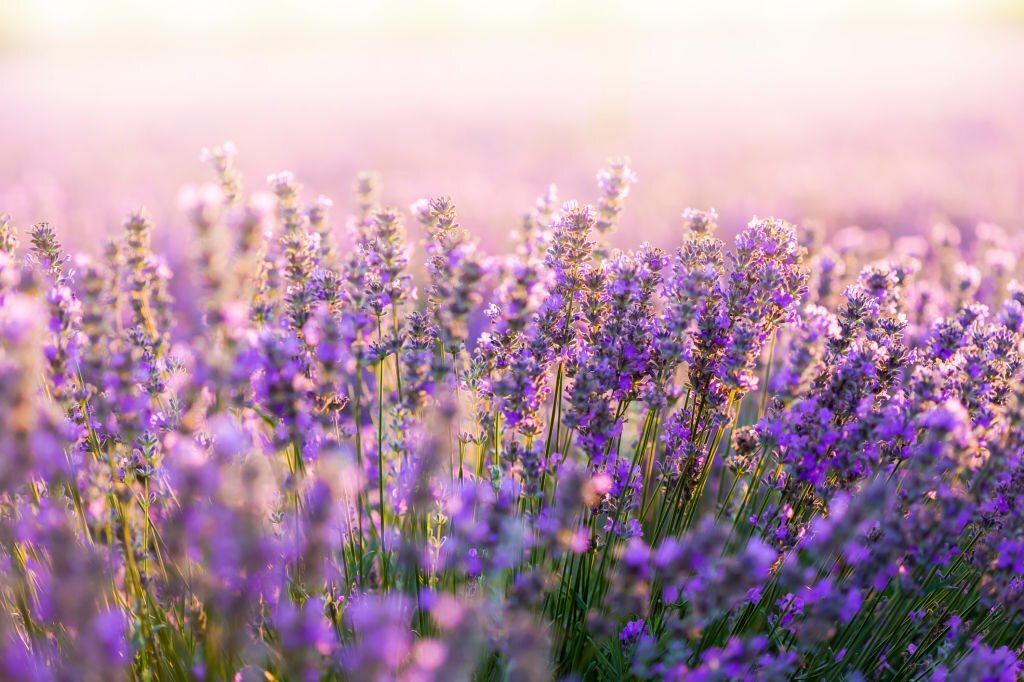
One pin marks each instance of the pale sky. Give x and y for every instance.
(103, 26)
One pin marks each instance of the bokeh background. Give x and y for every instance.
(883, 114)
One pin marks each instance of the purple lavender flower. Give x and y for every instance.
(798, 457)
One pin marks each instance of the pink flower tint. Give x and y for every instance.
(602, 483)
(430, 653)
(447, 612)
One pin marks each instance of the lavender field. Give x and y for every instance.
(337, 424)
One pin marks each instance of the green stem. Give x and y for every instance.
(380, 454)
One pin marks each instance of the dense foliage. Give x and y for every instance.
(783, 460)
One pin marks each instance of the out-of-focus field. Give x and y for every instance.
(882, 119)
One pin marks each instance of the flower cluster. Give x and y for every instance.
(770, 460)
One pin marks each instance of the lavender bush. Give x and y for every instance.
(794, 458)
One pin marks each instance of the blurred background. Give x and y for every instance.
(882, 114)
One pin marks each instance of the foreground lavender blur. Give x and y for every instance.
(785, 460)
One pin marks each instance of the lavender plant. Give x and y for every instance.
(767, 461)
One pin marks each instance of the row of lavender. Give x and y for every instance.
(770, 462)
